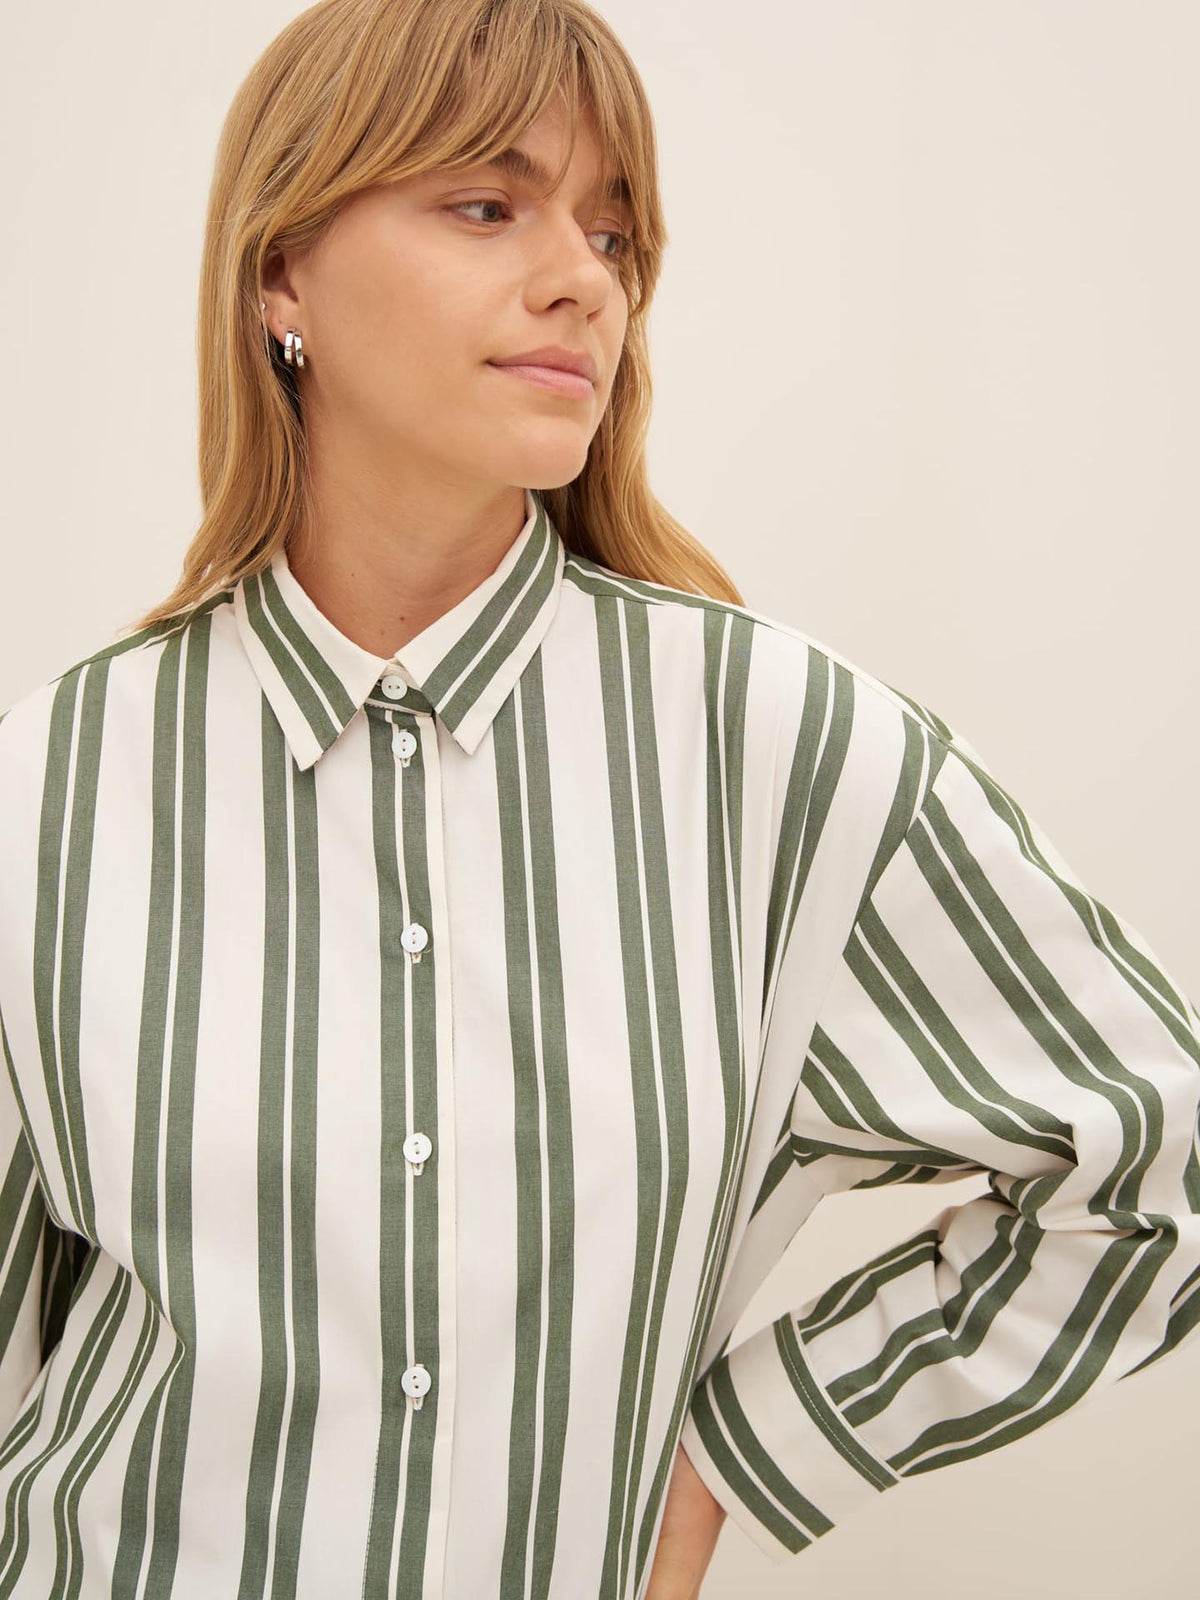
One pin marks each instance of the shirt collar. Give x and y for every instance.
(465, 662)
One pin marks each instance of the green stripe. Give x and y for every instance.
(78, 1386)
(790, 1532)
(1054, 1021)
(590, 578)
(1184, 1316)
(48, 919)
(822, 740)
(826, 1416)
(74, 922)
(47, 1199)
(951, 1331)
(560, 1221)
(303, 1062)
(728, 642)
(928, 718)
(28, 1422)
(22, 1224)
(822, 746)
(544, 1174)
(320, 673)
(477, 654)
(169, 627)
(167, 1066)
(1106, 931)
(1031, 1406)
(145, 1223)
(529, 1333)
(927, 1034)
(74, 1477)
(281, 1455)
(272, 623)
(778, 1168)
(823, 1311)
(655, 1044)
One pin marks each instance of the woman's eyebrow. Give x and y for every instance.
(520, 164)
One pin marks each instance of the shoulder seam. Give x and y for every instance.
(637, 589)
(119, 646)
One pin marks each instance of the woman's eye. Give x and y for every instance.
(463, 204)
(612, 233)
(623, 238)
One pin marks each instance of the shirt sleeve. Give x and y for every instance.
(985, 1015)
(39, 1262)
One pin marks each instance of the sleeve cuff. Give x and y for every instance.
(765, 1437)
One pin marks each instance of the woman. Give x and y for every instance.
(450, 945)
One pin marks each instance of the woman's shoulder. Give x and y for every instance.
(48, 714)
(133, 652)
(811, 725)
(784, 665)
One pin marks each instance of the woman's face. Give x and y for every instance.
(419, 286)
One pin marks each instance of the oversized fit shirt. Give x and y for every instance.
(415, 1065)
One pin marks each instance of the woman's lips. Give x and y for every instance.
(553, 378)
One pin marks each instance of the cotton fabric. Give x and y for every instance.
(416, 1064)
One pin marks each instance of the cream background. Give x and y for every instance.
(926, 350)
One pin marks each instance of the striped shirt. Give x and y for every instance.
(415, 1065)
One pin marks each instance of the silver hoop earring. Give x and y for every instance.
(293, 342)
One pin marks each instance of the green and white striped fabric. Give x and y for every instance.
(415, 1065)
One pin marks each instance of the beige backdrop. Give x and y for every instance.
(926, 351)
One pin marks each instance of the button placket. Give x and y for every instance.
(411, 1081)
(414, 938)
(417, 1146)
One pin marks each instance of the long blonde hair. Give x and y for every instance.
(354, 93)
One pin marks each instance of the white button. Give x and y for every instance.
(403, 744)
(414, 937)
(416, 1381)
(417, 1146)
(394, 686)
